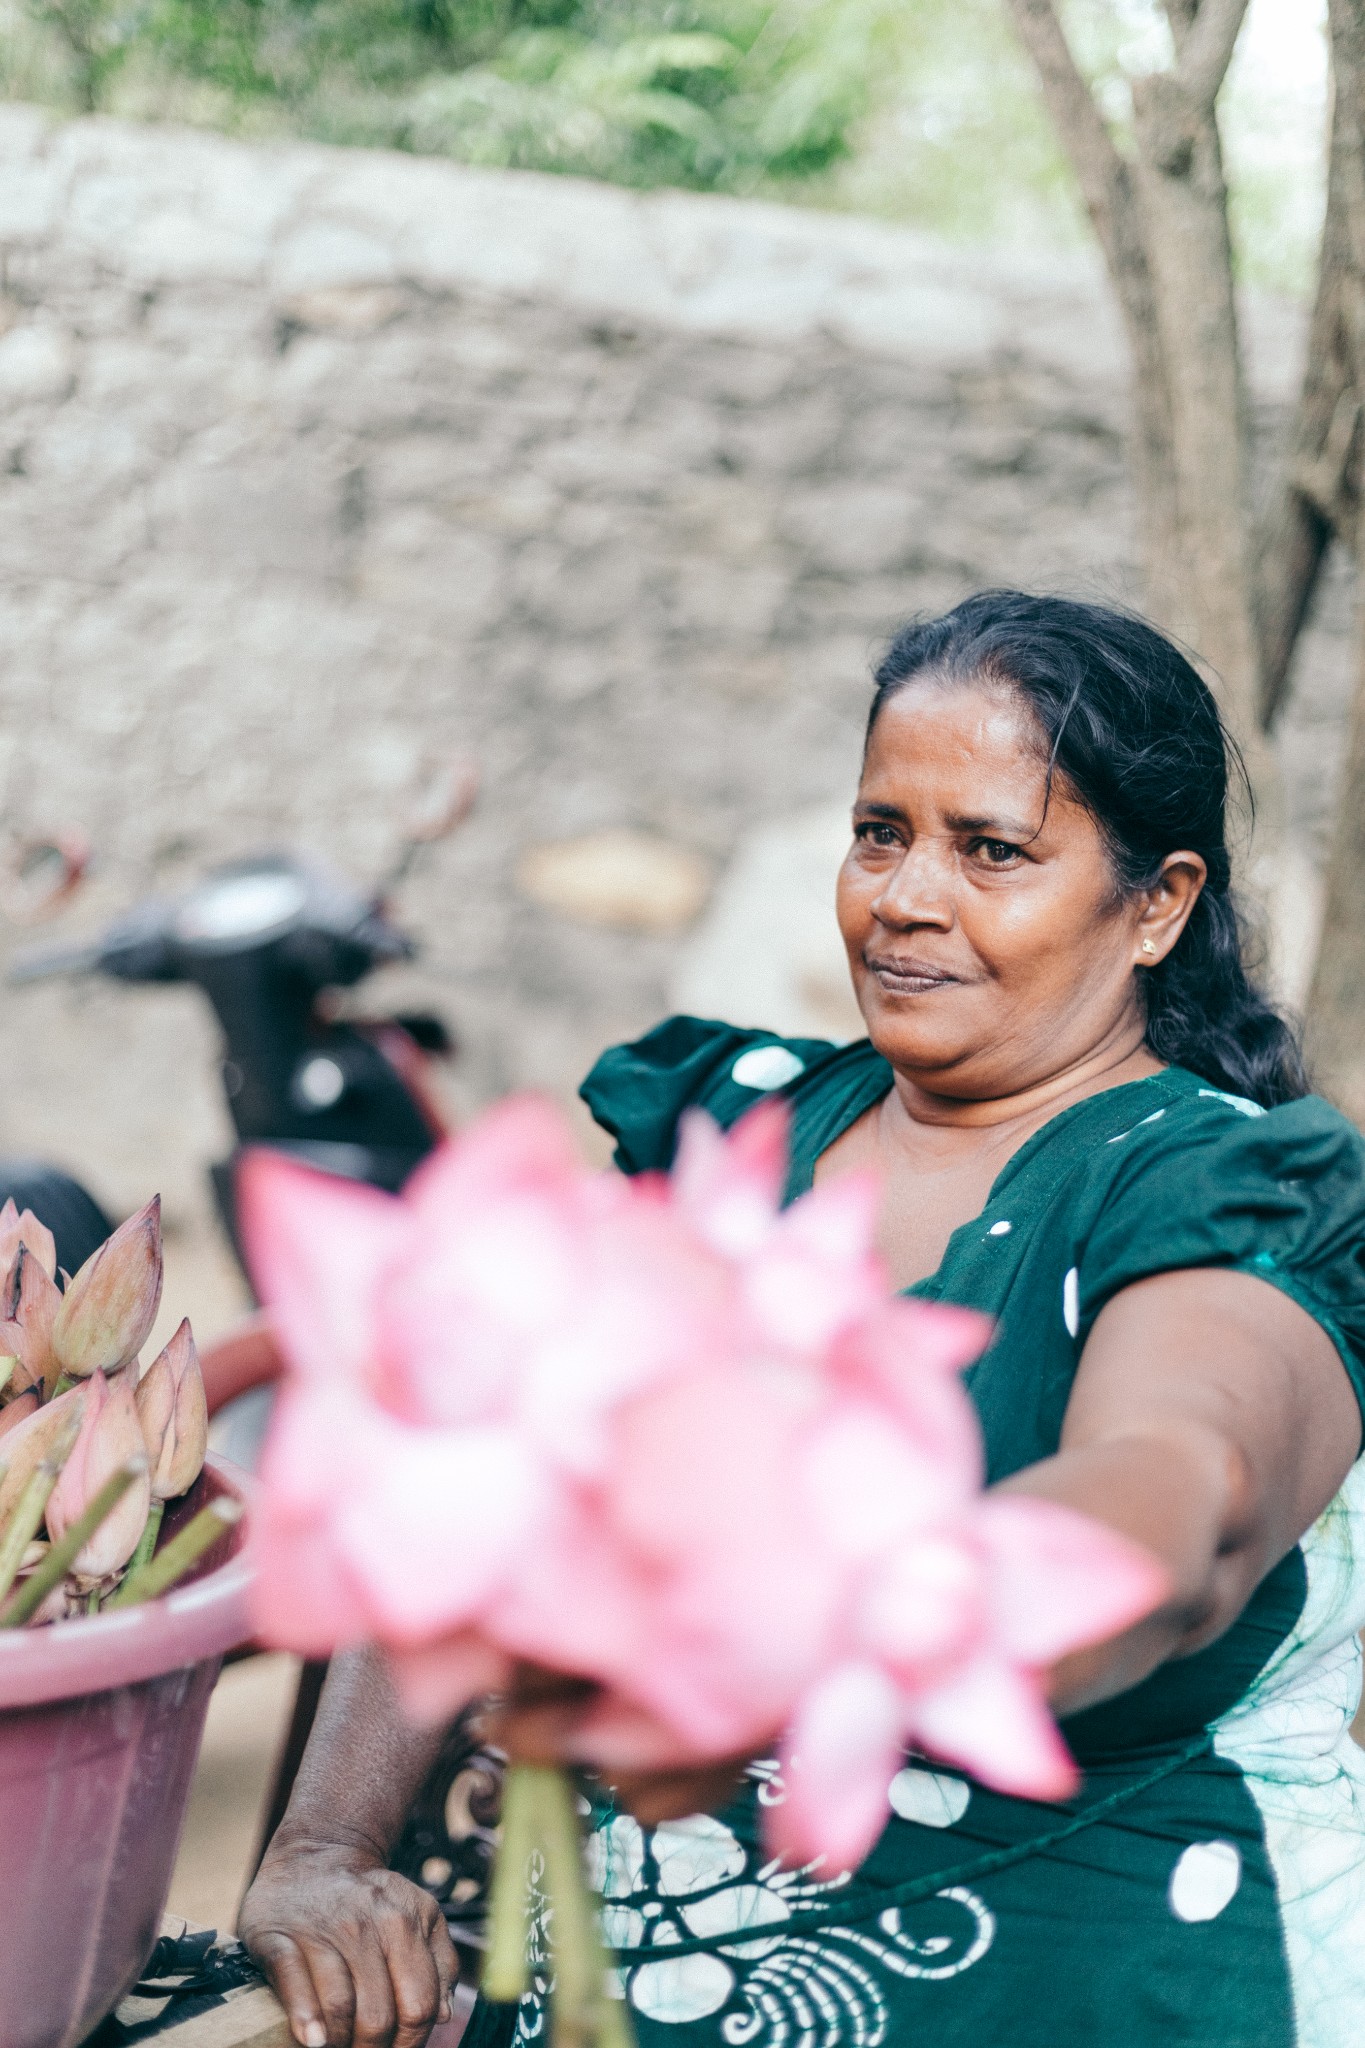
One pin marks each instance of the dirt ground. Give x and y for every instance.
(247, 1718)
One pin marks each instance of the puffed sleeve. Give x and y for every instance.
(1279, 1193)
(637, 1092)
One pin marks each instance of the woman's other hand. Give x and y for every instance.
(358, 1956)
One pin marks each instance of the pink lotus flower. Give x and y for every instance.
(106, 1314)
(110, 1438)
(21, 1227)
(670, 1437)
(172, 1409)
(30, 1302)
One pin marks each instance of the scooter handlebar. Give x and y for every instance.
(46, 963)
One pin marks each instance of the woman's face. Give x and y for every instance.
(987, 947)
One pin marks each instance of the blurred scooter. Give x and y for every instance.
(269, 940)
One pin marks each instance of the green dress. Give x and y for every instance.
(1208, 1883)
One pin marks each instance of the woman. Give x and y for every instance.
(1088, 1123)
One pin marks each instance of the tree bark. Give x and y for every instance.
(1318, 496)
(1161, 220)
(1206, 595)
(1336, 1016)
(1107, 187)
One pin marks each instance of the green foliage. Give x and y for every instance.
(921, 110)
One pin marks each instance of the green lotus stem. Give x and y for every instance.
(92, 1600)
(61, 1556)
(62, 1385)
(27, 1515)
(171, 1563)
(146, 1542)
(575, 1997)
(583, 2015)
(505, 1978)
(540, 1813)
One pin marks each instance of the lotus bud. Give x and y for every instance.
(23, 1228)
(18, 1410)
(174, 1414)
(28, 1442)
(32, 1308)
(110, 1306)
(14, 1374)
(110, 1438)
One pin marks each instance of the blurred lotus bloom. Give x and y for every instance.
(21, 1227)
(672, 1437)
(110, 1438)
(108, 1310)
(173, 1412)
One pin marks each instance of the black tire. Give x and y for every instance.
(70, 1211)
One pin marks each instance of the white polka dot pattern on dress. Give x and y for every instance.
(1071, 1302)
(932, 1798)
(1205, 1880)
(1000, 1229)
(766, 1066)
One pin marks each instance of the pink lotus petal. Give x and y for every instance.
(926, 1602)
(315, 1247)
(729, 1187)
(436, 1681)
(520, 1147)
(836, 1223)
(1059, 1580)
(869, 1483)
(839, 1758)
(991, 1719)
(434, 1529)
(619, 1734)
(319, 1448)
(302, 1598)
(575, 1603)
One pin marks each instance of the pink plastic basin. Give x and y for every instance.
(100, 1724)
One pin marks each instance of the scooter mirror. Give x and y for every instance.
(442, 808)
(445, 803)
(42, 875)
(243, 904)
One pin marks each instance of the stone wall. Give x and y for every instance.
(316, 466)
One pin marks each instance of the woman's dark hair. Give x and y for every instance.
(1135, 732)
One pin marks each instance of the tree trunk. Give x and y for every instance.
(1316, 499)
(1204, 591)
(1336, 1038)
(1161, 219)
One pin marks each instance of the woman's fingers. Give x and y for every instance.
(292, 1982)
(655, 1796)
(442, 1951)
(538, 1717)
(419, 1991)
(376, 2022)
(359, 1956)
(335, 1990)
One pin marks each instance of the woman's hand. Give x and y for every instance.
(541, 1720)
(358, 1956)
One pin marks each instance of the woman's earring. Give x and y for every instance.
(1149, 946)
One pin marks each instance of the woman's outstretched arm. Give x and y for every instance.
(1211, 1420)
(356, 1954)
